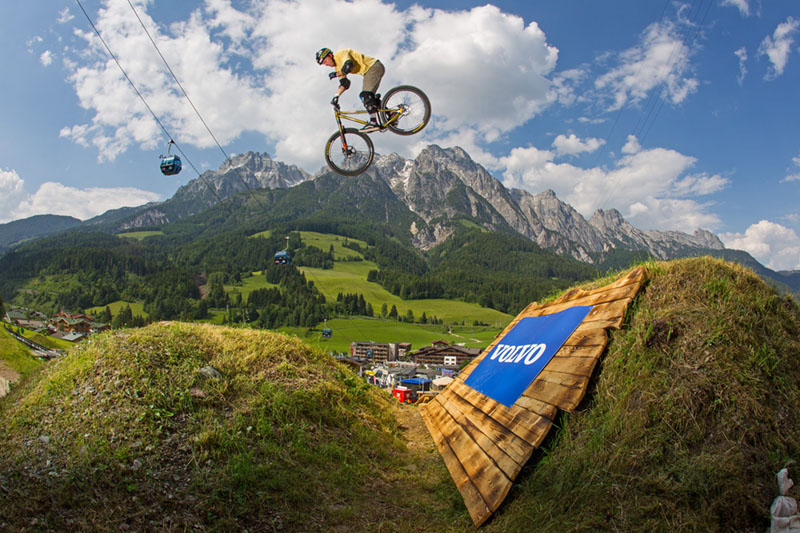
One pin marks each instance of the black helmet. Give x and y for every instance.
(322, 54)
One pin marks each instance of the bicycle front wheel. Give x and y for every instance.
(349, 154)
(406, 110)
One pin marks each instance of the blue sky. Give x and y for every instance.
(681, 115)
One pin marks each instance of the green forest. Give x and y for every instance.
(182, 272)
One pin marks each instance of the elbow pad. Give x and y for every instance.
(344, 82)
(347, 68)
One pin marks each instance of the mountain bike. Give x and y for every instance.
(404, 110)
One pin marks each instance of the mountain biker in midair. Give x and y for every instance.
(348, 61)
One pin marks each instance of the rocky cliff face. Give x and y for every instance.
(248, 171)
(441, 185)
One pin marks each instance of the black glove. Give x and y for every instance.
(335, 100)
(332, 75)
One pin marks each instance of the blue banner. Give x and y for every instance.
(522, 353)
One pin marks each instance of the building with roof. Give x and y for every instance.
(442, 354)
(379, 352)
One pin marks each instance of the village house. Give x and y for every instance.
(20, 318)
(380, 352)
(73, 325)
(442, 354)
(71, 336)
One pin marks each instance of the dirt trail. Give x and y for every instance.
(418, 439)
(7, 375)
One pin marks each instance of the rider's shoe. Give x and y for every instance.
(369, 128)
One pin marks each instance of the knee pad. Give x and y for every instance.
(369, 100)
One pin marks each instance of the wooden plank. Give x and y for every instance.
(593, 352)
(500, 435)
(590, 337)
(485, 434)
(478, 510)
(586, 299)
(580, 366)
(566, 398)
(527, 425)
(489, 479)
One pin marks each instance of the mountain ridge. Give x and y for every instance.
(440, 187)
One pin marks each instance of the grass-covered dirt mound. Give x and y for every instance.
(694, 410)
(691, 413)
(132, 431)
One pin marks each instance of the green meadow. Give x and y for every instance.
(137, 308)
(347, 330)
(139, 235)
(248, 285)
(350, 277)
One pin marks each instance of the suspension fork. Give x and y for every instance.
(341, 128)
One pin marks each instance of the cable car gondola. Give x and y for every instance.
(283, 257)
(170, 164)
(327, 333)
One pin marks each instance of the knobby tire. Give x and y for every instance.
(358, 157)
(416, 115)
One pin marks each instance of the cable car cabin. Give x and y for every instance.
(327, 332)
(170, 165)
(282, 258)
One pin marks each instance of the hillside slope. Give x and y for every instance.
(693, 412)
(126, 433)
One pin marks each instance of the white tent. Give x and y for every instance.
(442, 381)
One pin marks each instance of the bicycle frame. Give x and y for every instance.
(347, 115)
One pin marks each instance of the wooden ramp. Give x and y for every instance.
(484, 443)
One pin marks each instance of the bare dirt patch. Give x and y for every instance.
(8, 373)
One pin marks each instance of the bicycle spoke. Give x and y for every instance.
(352, 159)
(412, 108)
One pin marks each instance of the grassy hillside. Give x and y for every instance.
(127, 433)
(137, 308)
(692, 414)
(16, 355)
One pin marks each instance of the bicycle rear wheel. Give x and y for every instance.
(413, 107)
(349, 154)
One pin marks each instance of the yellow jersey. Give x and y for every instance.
(361, 63)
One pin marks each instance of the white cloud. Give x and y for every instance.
(650, 187)
(459, 56)
(774, 245)
(778, 47)
(46, 58)
(660, 62)
(56, 199)
(587, 120)
(65, 16)
(741, 5)
(741, 53)
(793, 176)
(573, 145)
(631, 145)
(262, 78)
(11, 193)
